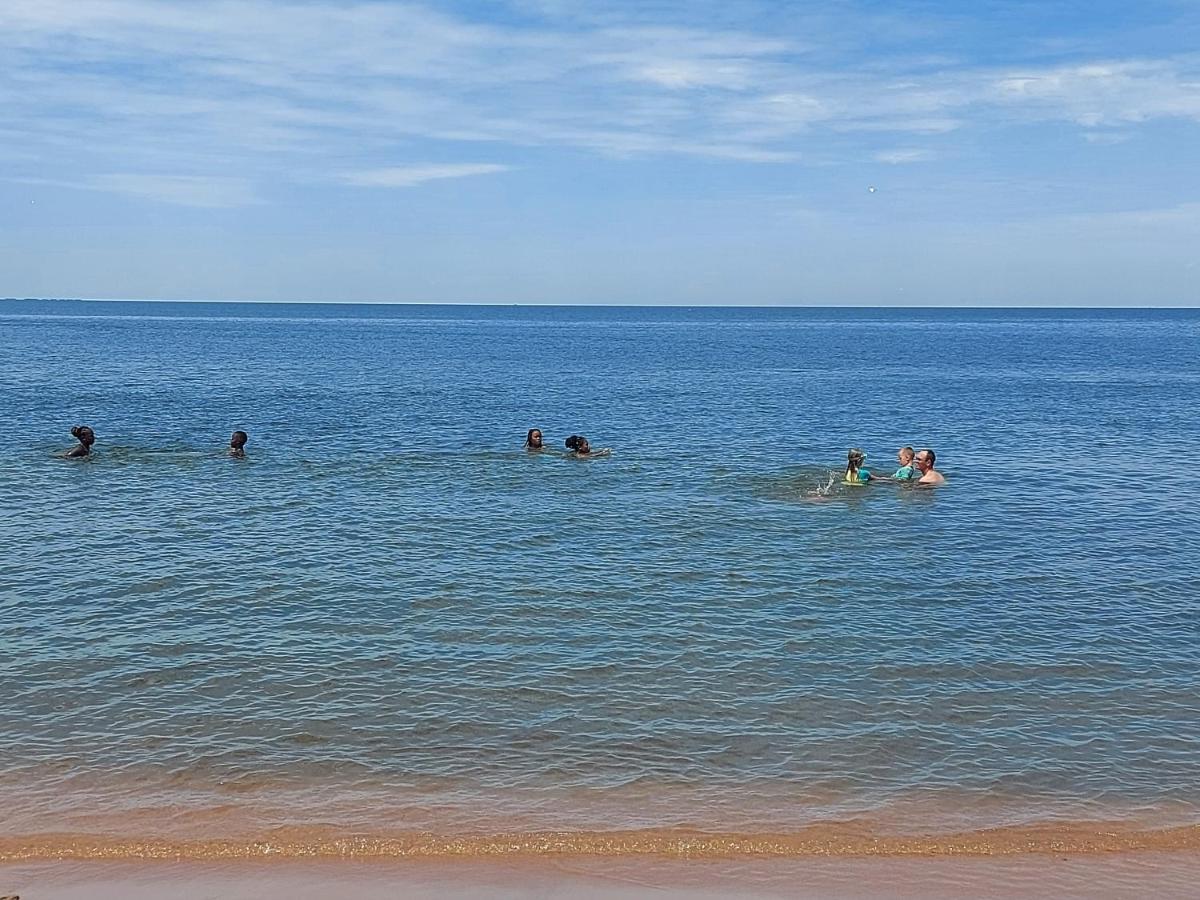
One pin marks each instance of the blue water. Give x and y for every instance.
(388, 614)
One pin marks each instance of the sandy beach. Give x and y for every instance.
(833, 840)
(1105, 877)
(825, 862)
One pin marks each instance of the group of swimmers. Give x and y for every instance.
(915, 466)
(576, 444)
(87, 437)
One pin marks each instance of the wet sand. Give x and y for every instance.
(1096, 860)
(829, 840)
(1105, 877)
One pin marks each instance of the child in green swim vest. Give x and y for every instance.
(855, 473)
(906, 472)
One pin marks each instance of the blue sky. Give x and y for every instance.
(553, 151)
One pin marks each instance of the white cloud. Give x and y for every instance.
(903, 155)
(200, 191)
(283, 89)
(686, 74)
(409, 176)
(1107, 137)
(185, 190)
(1104, 93)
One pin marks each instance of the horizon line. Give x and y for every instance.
(556, 305)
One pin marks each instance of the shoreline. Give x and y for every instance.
(818, 841)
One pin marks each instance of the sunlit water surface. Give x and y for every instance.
(389, 616)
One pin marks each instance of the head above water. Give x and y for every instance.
(84, 435)
(905, 455)
(924, 460)
(533, 440)
(238, 440)
(578, 443)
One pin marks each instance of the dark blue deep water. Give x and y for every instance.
(388, 614)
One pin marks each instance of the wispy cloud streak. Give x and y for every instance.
(410, 176)
(279, 89)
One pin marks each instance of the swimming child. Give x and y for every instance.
(579, 446)
(907, 471)
(533, 440)
(855, 473)
(237, 444)
(86, 438)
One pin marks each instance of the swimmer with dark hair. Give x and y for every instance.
(579, 447)
(924, 461)
(856, 473)
(237, 444)
(533, 440)
(86, 438)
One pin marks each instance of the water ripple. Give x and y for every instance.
(390, 610)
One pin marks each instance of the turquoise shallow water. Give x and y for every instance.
(389, 615)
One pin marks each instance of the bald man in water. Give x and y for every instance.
(924, 461)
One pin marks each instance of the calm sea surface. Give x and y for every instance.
(389, 616)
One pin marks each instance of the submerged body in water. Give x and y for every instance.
(86, 438)
(237, 444)
(579, 447)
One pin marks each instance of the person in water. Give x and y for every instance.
(924, 461)
(855, 473)
(533, 440)
(579, 446)
(907, 471)
(86, 438)
(237, 444)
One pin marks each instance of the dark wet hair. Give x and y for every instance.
(854, 460)
(529, 436)
(83, 434)
(931, 454)
(238, 438)
(575, 441)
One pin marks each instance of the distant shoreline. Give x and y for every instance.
(1049, 308)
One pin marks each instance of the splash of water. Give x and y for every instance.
(824, 490)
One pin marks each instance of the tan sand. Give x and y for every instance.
(1098, 876)
(820, 841)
